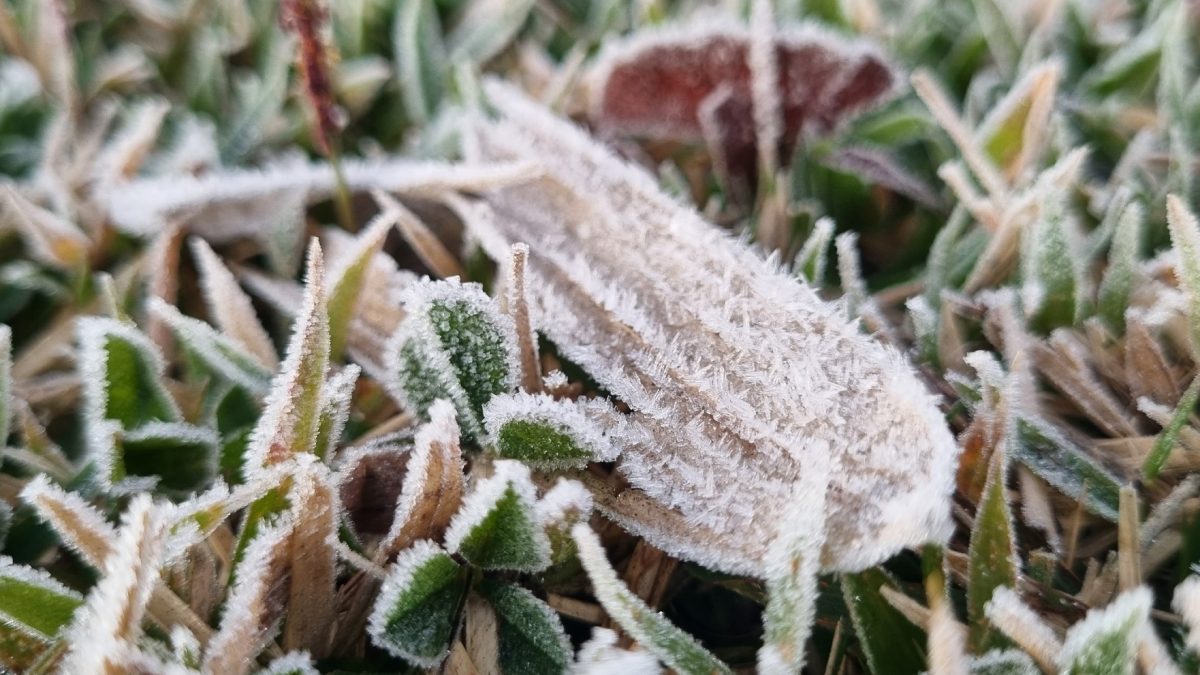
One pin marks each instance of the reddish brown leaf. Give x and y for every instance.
(662, 85)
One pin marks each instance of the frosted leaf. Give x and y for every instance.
(180, 456)
(652, 630)
(292, 663)
(219, 353)
(737, 374)
(793, 562)
(1015, 130)
(887, 638)
(549, 433)
(601, 656)
(78, 525)
(292, 410)
(127, 151)
(420, 58)
(109, 623)
(50, 239)
(230, 307)
(121, 372)
(454, 344)
(236, 202)
(33, 602)
(497, 527)
(1185, 237)
(658, 82)
(810, 262)
(336, 397)
(1186, 604)
(530, 633)
(1107, 639)
(346, 277)
(878, 167)
(568, 502)
(992, 554)
(486, 28)
(311, 605)
(433, 483)
(252, 607)
(1050, 266)
(415, 613)
(762, 59)
(1113, 296)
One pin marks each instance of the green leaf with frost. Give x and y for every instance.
(792, 564)
(1056, 459)
(181, 456)
(121, 372)
(497, 527)
(486, 28)
(347, 275)
(547, 433)
(1049, 263)
(1113, 296)
(33, 602)
(652, 630)
(292, 410)
(531, 635)
(890, 642)
(1130, 68)
(420, 58)
(1106, 641)
(336, 397)
(992, 555)
(813, 258)
(218, 353)
(1167, 438)
(1185, 237)
(418, 608)
(454, 344)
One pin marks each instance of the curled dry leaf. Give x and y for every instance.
(433, 484)
(673, 82)
(737, 374)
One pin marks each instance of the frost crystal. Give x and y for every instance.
(737, 374)
(414, 613)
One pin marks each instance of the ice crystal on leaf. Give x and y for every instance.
(737, 374)
(1106, 641)
(456, 345)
